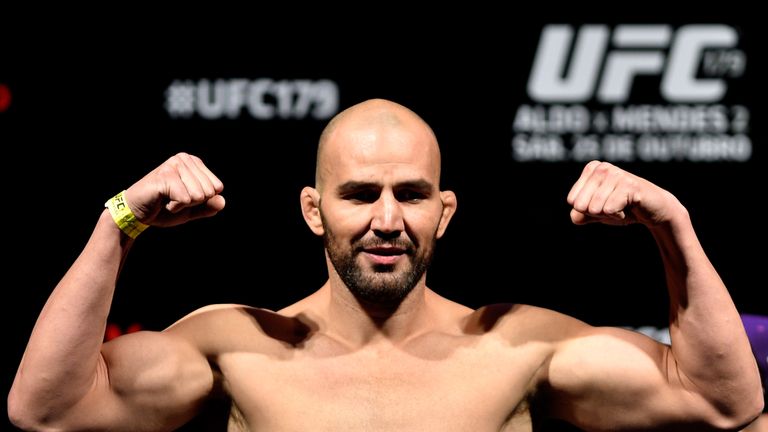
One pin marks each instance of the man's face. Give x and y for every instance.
(381, 210)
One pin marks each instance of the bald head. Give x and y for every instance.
(376, 130)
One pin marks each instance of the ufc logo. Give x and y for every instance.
(636, 50)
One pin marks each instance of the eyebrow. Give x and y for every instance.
(352, 186)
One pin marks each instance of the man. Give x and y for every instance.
(374, 348)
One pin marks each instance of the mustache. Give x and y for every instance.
(403, 244)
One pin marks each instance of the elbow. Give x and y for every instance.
(22, 414)
(752, 412)
(17, 412)
(747, 411)
(753, 406)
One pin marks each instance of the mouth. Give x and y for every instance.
(384, 255)
(385, 250)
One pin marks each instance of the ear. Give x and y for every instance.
(449, 208)
(310, 208)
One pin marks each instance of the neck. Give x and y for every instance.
(360, 323)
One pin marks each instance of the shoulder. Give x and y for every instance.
(219, 328)
(213, 317)
(524, 323)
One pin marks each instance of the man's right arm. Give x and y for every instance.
(146, 381)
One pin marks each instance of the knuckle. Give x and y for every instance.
(197, 196)
(167, 170)
(630, 182)
(174, 161)
(603, 168)
(593, 163)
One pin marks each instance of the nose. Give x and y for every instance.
(387, 220)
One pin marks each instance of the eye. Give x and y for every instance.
(410, 195)
(363, 196)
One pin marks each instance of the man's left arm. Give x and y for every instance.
(708, 377)
(709, 344)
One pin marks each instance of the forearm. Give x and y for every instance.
(61, 359)
(709, 344)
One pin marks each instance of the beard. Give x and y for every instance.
(383, 285)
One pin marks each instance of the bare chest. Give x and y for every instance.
(478, 387)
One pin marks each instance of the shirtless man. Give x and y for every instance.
(374, 348)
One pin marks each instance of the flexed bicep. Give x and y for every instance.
(145, 381)
(615, 379)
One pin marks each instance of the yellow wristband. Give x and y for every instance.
(123, 216)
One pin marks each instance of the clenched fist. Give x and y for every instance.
(179, 190)
(608, 194)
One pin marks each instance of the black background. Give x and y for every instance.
(87, 119)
